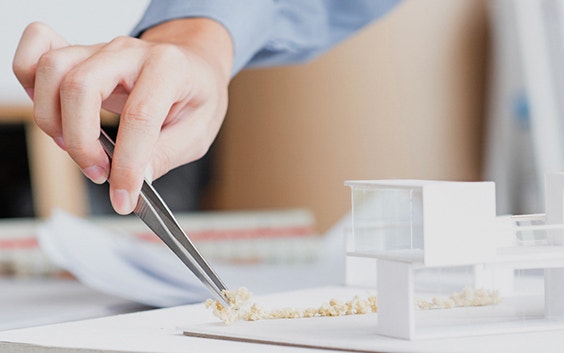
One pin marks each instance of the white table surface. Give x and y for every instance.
(34, 302)
(161, 331)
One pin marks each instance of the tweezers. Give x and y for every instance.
(154, 212)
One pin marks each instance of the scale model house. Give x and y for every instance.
(421, 241)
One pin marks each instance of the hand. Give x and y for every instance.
(170, 88)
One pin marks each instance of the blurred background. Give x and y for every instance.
(438, 89)
(462, 90)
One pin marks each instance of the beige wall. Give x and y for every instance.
(402, 99)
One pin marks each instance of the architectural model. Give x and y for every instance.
(416, 240)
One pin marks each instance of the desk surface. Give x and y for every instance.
(33, 302)
(161, 331)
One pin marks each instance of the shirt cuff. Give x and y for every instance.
(247, 21)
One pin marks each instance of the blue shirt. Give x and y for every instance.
(274, 32)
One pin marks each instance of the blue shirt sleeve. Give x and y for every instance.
(274, 32)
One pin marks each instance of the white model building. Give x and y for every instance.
(419, 240)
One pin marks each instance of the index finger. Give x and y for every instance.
(140, 126)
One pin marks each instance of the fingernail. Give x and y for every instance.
(97, 174)
(60, 141)
(122, 201)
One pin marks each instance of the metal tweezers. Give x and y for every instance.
(156, 215)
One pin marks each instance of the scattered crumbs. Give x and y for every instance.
(240, 307)
(466, 297)
(236, 299)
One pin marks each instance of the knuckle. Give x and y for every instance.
(166, 54)
(137, 118)
(41, 118)
(74, 84)
(126, 171)
(21, 69)
(77, 151)
(35, 28)
(50, 62)
(121, 42)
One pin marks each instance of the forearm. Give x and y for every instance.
(204, 36)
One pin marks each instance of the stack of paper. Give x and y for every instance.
(123, 265)
(20, 255)
(280, 235)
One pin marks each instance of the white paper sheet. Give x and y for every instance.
(161, 331)
(122, 265)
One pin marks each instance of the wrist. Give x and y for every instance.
(207, 37)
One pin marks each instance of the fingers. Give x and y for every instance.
(193, 122)
(156, 90)
(81, 93)
(50, 72)
(187, 140)
(168, 98)
(36, 40)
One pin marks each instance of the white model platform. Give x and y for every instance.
(162, 331)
